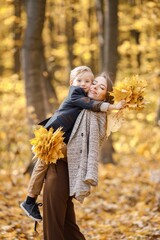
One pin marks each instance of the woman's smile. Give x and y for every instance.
(93, 92)
(98, 89)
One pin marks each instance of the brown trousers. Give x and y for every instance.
(38, 175)
(59, 222)
(37, 178)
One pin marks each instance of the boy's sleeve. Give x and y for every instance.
(43, 123)
(79, 98)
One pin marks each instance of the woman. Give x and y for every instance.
(59, 220)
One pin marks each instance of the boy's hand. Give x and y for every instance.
(121, 104)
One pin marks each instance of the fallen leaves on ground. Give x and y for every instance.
(125, 205)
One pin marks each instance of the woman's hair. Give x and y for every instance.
(76, 71)
(107, 77)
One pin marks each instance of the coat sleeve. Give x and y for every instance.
(78, 98)
(43, 123)
(93, 151)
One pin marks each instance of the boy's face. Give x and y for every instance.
(83, 80)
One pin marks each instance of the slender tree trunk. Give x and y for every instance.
(136, 35)
(111, 37)
(17, 30)
(70, 22)
(100, 18)
(158, 114)
(110, 59)
(94, 63)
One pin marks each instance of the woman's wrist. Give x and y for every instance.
(112, 107)
(104, 107)
(116, 106)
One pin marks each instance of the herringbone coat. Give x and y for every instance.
(82, 152)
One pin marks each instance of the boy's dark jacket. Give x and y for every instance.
(66, 115)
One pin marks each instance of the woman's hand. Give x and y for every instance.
(121, 104)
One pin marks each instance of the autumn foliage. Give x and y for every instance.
(131, 90)
(126, 203)
(48, 144)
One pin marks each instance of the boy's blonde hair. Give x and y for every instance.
(76, 71)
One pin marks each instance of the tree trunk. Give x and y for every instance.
(100, 19)
(106, 155)
(17, 30)
(158, 114)
(40, 95)
(110, 59)
(94, 62)
(39, 91)
(70, 22)
(111, 37)
(136, 35)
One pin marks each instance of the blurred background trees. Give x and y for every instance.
(41, 41)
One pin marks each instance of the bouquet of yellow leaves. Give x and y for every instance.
(47, 145)
(131, 90)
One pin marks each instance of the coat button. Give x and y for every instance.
(81, 151)
(82, 134)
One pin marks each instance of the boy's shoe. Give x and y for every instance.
(32, 210)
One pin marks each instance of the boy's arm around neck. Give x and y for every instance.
(80, 99)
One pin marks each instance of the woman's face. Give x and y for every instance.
(98, 89)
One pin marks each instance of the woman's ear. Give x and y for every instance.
(70, 82)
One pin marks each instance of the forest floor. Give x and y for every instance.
(125, 205)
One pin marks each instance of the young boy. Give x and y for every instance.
(81, 79)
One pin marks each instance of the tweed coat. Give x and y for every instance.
(82, 152)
